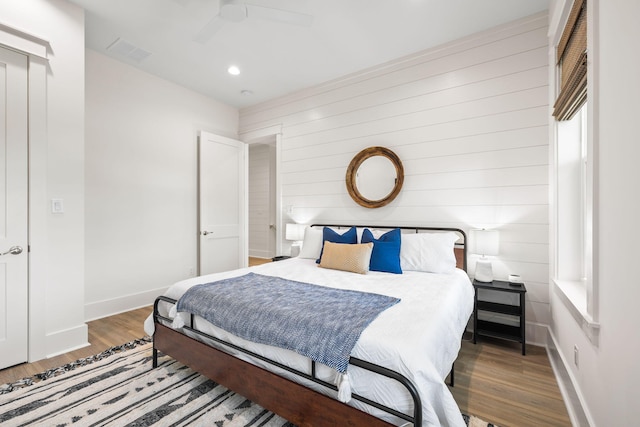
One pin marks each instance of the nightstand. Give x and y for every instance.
(493, 328)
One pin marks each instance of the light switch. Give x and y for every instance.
(57, 206)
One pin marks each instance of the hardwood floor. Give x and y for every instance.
(495, 382)
(492, 379)
(103, 333)
(257, 261)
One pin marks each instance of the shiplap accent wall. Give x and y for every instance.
(469, 121)
(261, 182)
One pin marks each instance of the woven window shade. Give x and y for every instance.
(572, 61)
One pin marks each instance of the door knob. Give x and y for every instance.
(206, 233)
(13, 250)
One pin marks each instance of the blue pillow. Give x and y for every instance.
(386, 251)
(350, 236)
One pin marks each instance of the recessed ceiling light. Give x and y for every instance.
(233, 70)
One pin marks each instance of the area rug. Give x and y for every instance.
(118, 387)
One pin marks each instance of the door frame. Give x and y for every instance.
(256, 136)
(269, 250)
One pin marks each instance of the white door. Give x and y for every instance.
(222, 200)
(13, 208)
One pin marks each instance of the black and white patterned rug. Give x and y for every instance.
(118, 387)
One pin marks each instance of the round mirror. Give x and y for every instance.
(374, 177)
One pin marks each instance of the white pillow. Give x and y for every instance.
(376, 233)
(312, 243)
(430, 252)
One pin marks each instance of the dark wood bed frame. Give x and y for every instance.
(292, 401)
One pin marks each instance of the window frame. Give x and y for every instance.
(579, 293)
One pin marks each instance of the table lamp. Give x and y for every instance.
(295, 233)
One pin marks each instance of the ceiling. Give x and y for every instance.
(276, 58)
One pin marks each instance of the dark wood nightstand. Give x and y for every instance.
(495, 329)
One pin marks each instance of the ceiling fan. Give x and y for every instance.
(237, 11)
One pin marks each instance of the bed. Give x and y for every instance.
(398, 366)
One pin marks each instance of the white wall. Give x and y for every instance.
(607, 375)
(141, 182)
(56, 153)
(468, 120)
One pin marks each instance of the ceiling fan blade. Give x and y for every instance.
(209, 30)
(279, 15)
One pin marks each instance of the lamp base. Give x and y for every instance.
(484, 272)
(295, 249)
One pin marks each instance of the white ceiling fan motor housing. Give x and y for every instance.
(233, 11)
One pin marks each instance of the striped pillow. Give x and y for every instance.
(347, 257)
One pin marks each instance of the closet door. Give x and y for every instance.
(13, 208)
(222, 204)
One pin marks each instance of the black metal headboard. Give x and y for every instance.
(460, 246)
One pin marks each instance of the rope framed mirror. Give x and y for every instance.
(374, 177)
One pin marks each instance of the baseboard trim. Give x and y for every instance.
(258, 254)
(571, 395)
(61, 342)
(537, 334)
(110, 307)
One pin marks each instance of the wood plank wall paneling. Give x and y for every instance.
(469, 121)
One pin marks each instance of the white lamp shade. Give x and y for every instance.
(294, 232)
(486, 242)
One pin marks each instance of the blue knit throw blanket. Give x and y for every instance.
(315, 321)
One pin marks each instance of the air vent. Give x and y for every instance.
(128, 50)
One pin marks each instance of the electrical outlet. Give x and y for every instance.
(191, 272)
(575, 355)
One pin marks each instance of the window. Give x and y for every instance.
(571, 191)
(573, 174)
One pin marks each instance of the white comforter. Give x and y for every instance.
(419, 337)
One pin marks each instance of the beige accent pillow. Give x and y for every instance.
(347, 257)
